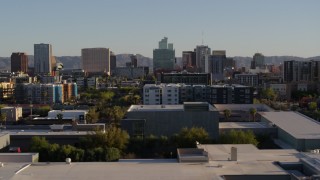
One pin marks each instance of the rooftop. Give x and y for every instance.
(135, 108)
(239, 125)
(297, 125)
(250, 161)
(125, 169)
(243, 107)
(177, 107)
(35, 132)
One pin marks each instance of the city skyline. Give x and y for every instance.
(241, 28)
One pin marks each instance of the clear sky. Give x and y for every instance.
(241, 27)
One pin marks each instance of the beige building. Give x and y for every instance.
(95, 60)
(12, 113)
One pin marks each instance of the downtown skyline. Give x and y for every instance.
(241, 28)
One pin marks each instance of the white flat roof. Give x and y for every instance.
(242, 107)
(155, 108)
(297, 125)
(128, 169)
(239, 125)
(45, 132)
(176, 107)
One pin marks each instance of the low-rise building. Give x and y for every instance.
(166, 120)
(296, 130)
(247, 79)
(130, 72)
(78, 115)
(12, 114)
(180, 93)
(186, 78)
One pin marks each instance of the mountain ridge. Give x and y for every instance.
(74, 62)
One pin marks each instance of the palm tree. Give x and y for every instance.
(253, 112)
(227, 114)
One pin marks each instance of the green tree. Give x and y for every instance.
(41, 145)
(43, 111)
(113, 154)
(227, 114)
(187, 138)
(238, 137)
(60, 117)
(106, 96)
(92, 116)
(253, 112)
(112, 137)
(3, 118)
(113, 114)
(269, 94)
(313, 106)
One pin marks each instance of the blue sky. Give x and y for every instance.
(241, 27)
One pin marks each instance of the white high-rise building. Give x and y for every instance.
(165, 94)
(96, 60)
(43, 60)
(202, 53)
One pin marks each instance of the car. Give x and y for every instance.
(15, 149)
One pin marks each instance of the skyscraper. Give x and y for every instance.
(202, 52)
(258, 61)
(113, 61)
(301, 71)
(188, 60)
(43, 62)
(217, 63)
(19, 62)
(134, 61)
(96, 60)
(164, 57)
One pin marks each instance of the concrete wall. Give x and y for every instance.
(167, 123)
(4, 140)
(258, 131)
(19, 157)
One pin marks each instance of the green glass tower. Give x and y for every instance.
(164, 56)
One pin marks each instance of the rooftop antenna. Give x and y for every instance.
(202, 36)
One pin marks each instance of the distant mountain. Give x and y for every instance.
(276, 60)
(74, 62)
(122, 59)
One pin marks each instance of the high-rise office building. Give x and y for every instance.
(202, 53)
(19, 62)
(134, 61)
(113, 61)
(96, 60)
(257, 61)
(188, 60)
(297, 71)
(164, 57)
(43, 59)
(216, 65)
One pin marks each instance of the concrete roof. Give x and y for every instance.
(9, 169)
(243, 107)
(177, 107)
(155, 108)
(45, 132)
(126, 169)
(250, 160)
(297, 125)
(244, 125)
